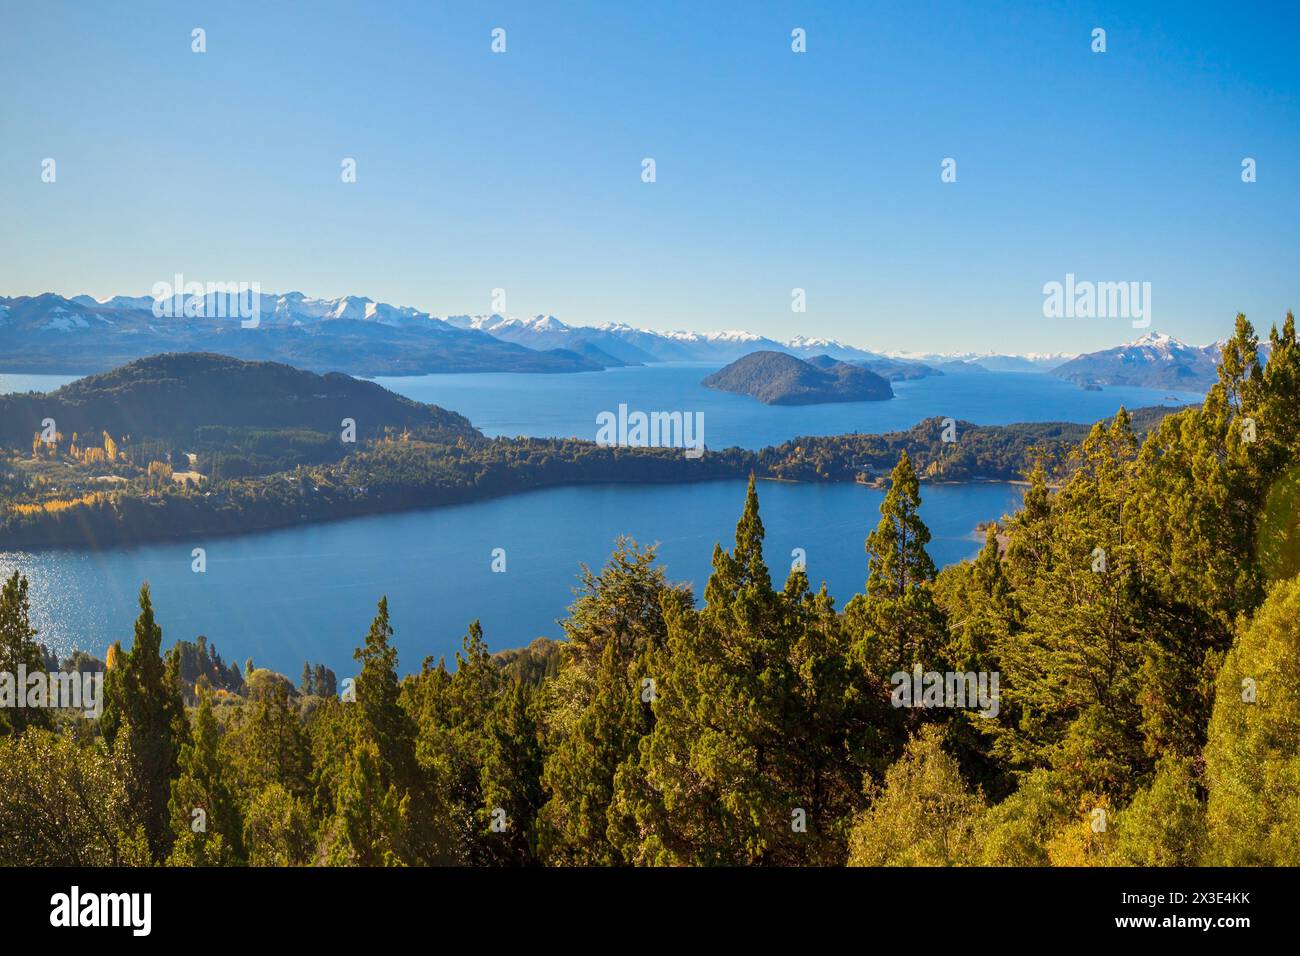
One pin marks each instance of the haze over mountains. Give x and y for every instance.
(356, 334)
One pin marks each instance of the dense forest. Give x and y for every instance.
(1141, 616)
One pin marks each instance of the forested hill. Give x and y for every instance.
(969, 453)
(171, 396)
(779, 379)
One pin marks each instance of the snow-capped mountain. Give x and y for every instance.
(294, 308)
(635, 345)
(353, 334)
(1156, 360)
(1215, 350)
(360, 334)
(115, 302)
(548, 332)
(993, 361)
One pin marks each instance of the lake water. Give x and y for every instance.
(566, 406)
(309, 593)
(10, 383)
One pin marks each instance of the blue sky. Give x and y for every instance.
(775, 170)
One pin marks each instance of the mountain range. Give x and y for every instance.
(50, 333)
(357, 335)
(1155, 360)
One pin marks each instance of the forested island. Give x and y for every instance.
(199, 444)
(776, 378)
(1142, 619)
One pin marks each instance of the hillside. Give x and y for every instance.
(172, 396)
(887, 369)
(776, 378)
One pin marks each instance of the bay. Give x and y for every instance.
(309, 593)
(566, 406)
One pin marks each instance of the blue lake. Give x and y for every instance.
(309, 593)
(567, 405)
(11, 382)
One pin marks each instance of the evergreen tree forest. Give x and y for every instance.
(1141, 613)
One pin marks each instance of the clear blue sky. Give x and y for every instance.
(775, 170)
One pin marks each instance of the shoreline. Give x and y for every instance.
(178, 537)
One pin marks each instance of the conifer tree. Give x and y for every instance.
(382, 723)
(982, 612)
(18, 649)
(206, 825)
(897, 624)
(324, 681)
(381, 718)
(1029, 531)
(145, 691)
(451, 711)
(1069, 688)
(595, 714)
(266, 742)
(511, 778)
(1252, 761)
(582, 764)
(371, 818)
(723, 776)
(899, 564)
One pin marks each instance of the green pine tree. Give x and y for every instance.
(206, 825)
(144, 690)
(18, 649)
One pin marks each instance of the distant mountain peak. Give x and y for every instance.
(1156, 360)
(1158, 340)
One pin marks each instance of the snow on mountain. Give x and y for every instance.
(732, 336)
(1155, 360)
(548, 332)
(352, 333)
(802, 342)
(144, 302)
(806, 347)
(61, 320)
(294, 308)
(993, 361)
(1158, 340)
(605, 343)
